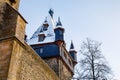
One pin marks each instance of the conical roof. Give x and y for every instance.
(71, 46)
(59, 22)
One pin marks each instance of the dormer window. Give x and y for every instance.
(41, 37)
(45, 26)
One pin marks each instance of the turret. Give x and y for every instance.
(73, 52)
(59, 31)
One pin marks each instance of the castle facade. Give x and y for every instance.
(42, 57)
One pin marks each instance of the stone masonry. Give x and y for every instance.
(18, 61)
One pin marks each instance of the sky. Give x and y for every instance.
(96, 19)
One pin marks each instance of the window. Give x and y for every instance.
(45, 28)
(37, 50)
(41, 37)
(41, 50)
(61, 33)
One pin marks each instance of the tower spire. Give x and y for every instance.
(51, 12)
(59, 22)
(59, 31)
(71, 46)
(73, 52)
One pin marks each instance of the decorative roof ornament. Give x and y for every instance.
(71, 46)
(59, 22)
(51, 12)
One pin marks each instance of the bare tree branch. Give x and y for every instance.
(93, 65)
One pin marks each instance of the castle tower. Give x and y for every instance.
(52, 47)
(73, 52)
(59, 31)
(12, 30)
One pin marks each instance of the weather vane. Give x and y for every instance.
(51, 12)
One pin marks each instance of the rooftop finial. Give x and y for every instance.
(51, 12)
(59, 22)
(71, 46)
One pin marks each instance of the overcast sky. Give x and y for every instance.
(97, 19)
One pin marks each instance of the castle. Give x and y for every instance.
(43, 57)
(48, 41)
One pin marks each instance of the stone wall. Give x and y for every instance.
(60, 68)
(27, 65)
(13, 3)
(5, 54)
(18, 61)
(54, 64)
(66, 73)
(8, 20)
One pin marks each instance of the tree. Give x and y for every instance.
(93, 65)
